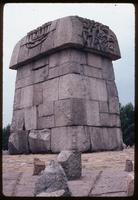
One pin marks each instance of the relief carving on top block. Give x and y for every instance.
(98, 36)
(38, 35)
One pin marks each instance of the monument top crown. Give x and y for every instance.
(67, 32)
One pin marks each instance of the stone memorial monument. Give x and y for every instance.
(65, 85)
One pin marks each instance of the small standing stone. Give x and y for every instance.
(130, 185)
(71, 163)
(129, 166)
(38, 166)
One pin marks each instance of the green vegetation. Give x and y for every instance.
(127, 123)
(5, 137)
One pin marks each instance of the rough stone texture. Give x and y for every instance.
(39, 141)
(18, 143)
(105, 139)
(61, 138)
(39, 166)
(52, 179)
(130, 185)
(71, 163)
(65, 82)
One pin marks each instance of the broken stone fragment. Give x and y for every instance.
(57, 193)
(129, 166)
(38, 166)
(71, 163)
(52, 179)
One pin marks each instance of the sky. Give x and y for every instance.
(21, 18)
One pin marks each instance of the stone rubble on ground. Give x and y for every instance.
(52, 179)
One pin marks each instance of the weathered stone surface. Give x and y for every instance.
(46, 109)
(92, 71)
(111, 89)
(39, 166)
(26, 96)
(57, 193)
(92, 113)
(114, 105)
(18, 143)
(129, 166)
(17, 99)
(52, 179)
(103, 107)
(94, 60)
(15, 53)
(70, 112)
(18, 121)
(37, 94)
(50, 90)
(105, 139)
(107, 69)
(45, 122)
(24, 71)
(30, 118)
(110, 182)
(110, 120)
(61, 138)
(71, 163)
(39, 141)
(130, 185)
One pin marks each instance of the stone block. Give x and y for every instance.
(37, 94)
(50, 90)
(103, 139)
(129, 166)
(18, 121)
(17, 99)
(107, 69)
(114, 105)
(24, 71)
(30, 118)
(39, 141)
(71, 163)
(46, 109)
(52, 179)
(42, 62)
(130, 185)
(39, 166)
(34, 51)
(18, 143)
(53, 72)
(21, 83)
(26, 96)
(70, 112)
(61, 138)
(94, 60)
(45, 122)
(103, 107)
(92, 113)
(40, 74)
(92, 72)
(111, 89)
(111, 182)
(73, 86)
(97, 89)
(107, 119)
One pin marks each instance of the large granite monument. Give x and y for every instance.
(65, 86)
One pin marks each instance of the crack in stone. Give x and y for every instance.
(16, 183)
(95, 182)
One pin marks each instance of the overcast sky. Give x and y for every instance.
(20, 18)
